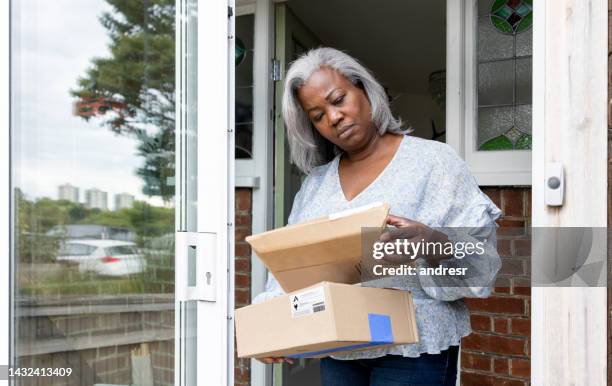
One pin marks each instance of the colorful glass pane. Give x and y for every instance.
(511, 16)
(497, 143)
(524, 143)
(513, 139)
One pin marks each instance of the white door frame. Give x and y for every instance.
(6, 217)
(263, 145)
(213, 238)
(570, 64)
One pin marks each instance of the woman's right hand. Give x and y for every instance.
(271, 360)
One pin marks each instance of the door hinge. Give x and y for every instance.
(230, 13)
(276, 72)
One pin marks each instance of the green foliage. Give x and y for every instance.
(38, 217)
(150, 220)
(33, 220)
(154, 231)
(140, 74)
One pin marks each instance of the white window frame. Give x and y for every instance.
(250, 173)
(490, 167)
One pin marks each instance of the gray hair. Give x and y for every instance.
(309, 148)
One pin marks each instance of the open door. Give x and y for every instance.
(293, 38)
(204, 195)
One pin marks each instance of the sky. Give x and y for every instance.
(53, 44)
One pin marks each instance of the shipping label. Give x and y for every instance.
(307, 302)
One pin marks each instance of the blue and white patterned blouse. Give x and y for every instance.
(425, 181)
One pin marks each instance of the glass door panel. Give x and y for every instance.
(93, 166)
(205, 188)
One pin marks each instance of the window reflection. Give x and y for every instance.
(93, 166)
(244, 85)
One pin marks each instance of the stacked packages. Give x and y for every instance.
(323, 312)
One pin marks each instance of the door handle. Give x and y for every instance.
(195, 275)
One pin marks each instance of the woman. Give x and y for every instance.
(344, 137)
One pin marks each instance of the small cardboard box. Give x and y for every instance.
(324, 319)
(325, 249)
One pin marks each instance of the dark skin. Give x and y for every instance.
(341, 112)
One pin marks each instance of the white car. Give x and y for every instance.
(105, 257)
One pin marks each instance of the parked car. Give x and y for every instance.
(104, 257)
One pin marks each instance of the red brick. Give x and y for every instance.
(522, 247)
(242, 297)
(242, 266)
(502, 285)
(494, 344)
(243, 199)
(243, 219)
(500, 325)
(473, 379)
(241, 233)
(521, 286)
(521, 326)
(512, 266)
(242, 249)
(475, 361)
(497, 304)
(242, 281)
(528, 301)
(500, 366)
(520, 368)
(494, 194)
(512, 202)
(509, 227)
(480, 322)
(528, 202)
(504, 248)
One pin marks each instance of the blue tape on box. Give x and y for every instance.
(381, 333)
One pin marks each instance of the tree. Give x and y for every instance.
(133, 89)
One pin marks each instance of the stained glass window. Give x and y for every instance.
(504, 74)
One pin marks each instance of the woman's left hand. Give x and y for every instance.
(412, 231)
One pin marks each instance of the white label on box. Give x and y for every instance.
(307, 302)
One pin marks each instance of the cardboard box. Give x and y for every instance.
(325, 249)
(324, 319)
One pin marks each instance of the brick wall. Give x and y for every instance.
(243, 271)
(97, 336)
(498, 351)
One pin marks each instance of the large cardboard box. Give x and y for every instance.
(325, 249)
(324, 319)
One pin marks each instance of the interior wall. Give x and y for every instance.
(418, 111)
(401, 52)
